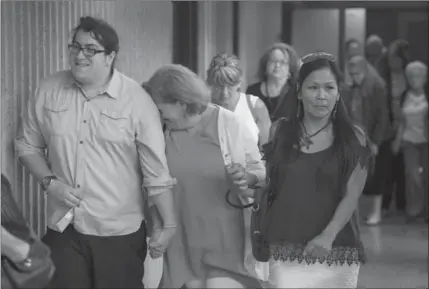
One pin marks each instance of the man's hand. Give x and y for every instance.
(64, 193)
(160, 241)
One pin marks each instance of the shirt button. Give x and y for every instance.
(81, 142)
(84, 121)
(78, 186)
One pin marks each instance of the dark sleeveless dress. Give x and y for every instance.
(308, 190)
(276, 107)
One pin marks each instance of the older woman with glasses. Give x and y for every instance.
(224, 77)
(206, 154)
(278, 68)
(318, 161)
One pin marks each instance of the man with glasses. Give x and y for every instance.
(105, 148)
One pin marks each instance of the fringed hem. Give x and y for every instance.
(338, 255)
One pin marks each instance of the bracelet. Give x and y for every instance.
(170, 226)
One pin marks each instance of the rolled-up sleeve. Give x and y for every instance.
(30, 139)
(150, 143)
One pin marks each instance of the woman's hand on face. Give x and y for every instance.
(238, 175)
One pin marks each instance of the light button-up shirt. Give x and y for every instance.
(110, 148)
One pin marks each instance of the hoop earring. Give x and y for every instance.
(335, 110)
(299, 110)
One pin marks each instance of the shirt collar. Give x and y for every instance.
(112, 89)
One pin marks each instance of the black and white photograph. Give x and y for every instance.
(214, 144)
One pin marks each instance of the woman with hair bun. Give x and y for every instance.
(224, 77)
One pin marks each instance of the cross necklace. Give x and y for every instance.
(306, 137)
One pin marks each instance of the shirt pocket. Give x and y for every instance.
(112, 126)
(57, 118)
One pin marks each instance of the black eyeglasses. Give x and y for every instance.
(88, 52)
(317, 55)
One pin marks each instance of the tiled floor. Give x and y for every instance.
(397, 255)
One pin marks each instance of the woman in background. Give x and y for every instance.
(206, 153)
(224, 77)
(319, 168)
(413, 138)
(277, 72)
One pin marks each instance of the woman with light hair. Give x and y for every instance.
(213, 168)
(277, 73)
(224, 77)
(412, 136)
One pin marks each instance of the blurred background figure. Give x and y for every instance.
(352, 48)
(375, 50)
(412, 137)
(277, 72)
(393, 71)
(366, 104)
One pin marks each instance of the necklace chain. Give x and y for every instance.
(306, 139)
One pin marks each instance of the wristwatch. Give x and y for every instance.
(46, 181)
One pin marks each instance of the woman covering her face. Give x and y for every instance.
(207, 156)
(317, 160)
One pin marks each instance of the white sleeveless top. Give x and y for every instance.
(415, 110)
(244, 114)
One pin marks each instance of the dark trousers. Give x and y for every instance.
(416, 178)
(84, 261)
(387, 177)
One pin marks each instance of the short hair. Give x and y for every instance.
(374, 39)
(224, 70)
(416, 66)
(101, 31)
(358, 61)
(175, 83)
(286, 49)
(351, 41)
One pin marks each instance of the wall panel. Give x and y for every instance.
(315, 30)
(34, 37)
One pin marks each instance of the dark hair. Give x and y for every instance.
(289, 135)
(101, 31)
(350, 41)
(401, 49)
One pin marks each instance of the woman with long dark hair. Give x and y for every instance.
(318, 167)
